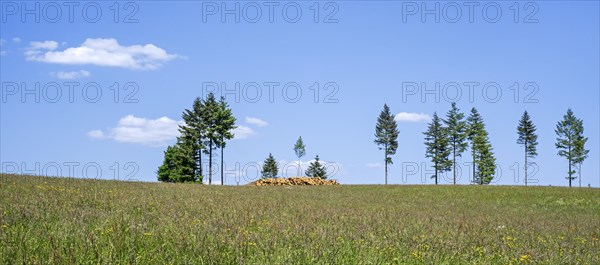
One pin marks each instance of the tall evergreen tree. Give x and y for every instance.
(300, 151)
(225, 123)
(178, 164)
(386, 135)
(193, 133)
(316, 170)
(457, 127)
(570, 141)
(527, 138)
(210, 118)
(269, 169)
(436, 142)
(474, 127)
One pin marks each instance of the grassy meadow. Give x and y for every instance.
(73, 221)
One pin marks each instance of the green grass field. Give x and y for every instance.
(59, 220)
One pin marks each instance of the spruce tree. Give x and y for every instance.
(269, 169)
(474, 127)
(386, 136)
(436, 142)
(527, 138)
(225, 123)
(178, 164)
(570, 142)
(300, 151)
(482, 151)
(193, 133)
(210, 118)
(457, 135)
(316, 170)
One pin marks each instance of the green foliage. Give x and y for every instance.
(570, 142)
(436, 142)
(72, 221)
(299, 148)
(208, 124)
(457, 134)
(316, 170)
(527, 138)
(178, 164)
(483, 157)
(269, 169)
(386, 135)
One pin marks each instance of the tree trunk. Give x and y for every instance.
(436, 173)
(200, 161)
(386, 163)
(526, 164)
(570, 172)
(210, 162)
(222, 166)
(454, 164)
(473, 154)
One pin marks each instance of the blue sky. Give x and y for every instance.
(358, 55)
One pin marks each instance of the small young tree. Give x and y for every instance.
(436, 142)
(316, 170)
(527, 138)
(457, 135)
(269, 169)
(570, 142)
(386, 136)
(300, 151)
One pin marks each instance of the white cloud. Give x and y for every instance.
(95, 134)
(412, 117)
(16, 39)
(243, 132)
(256, 121)
(101, 52)
(374, 165)
(71, 75)
(131, 129)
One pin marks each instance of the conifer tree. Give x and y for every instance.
(316, 170)
(269, 169)
(456, 134)
(210, 119)
(386, 136)
(193, 133)
(436, 142)
(178, 164)
(474, 127)
(528, 139)
(225, 124)
(570, 142)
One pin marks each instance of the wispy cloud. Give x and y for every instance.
(243, 132)
(100, 52)
(411, 117)
(256, 121)
(71, 75)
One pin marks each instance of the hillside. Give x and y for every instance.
(45, 220)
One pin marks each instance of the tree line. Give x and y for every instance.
(446, 139)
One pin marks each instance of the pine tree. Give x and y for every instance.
(436, 142)
(483, 156)
(269, 169)
(178, 164)
(225, 123)
(300, 151)
(474, 127)
(527, 138)
(570, 142)
(316, 170)
(210, 118)
(386, 135)
(193, 133)
(457, 134)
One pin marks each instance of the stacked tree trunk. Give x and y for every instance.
(297, 181)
